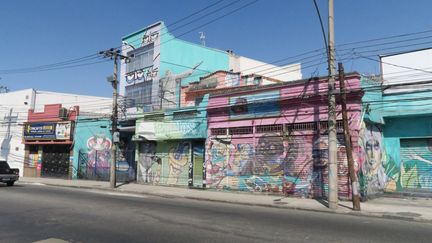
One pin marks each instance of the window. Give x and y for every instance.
(311, 126)
(269, 128)
(139, 94)
(339, 125)
(218, 131)
(240, 130)
(142, 58)
(154, 117)
(184, 115)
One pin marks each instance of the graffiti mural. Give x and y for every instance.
(146, 159)
(218, 158)
(99, 151)
(416, 159)
(178, 161)
(379, 172)
(289, 165)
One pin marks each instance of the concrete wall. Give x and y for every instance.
(92, 104)
(13, 113)
(16, 105)
(407, 68)
(250, 66)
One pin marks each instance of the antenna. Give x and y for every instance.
(202, 38)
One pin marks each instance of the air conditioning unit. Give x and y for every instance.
(63, 113)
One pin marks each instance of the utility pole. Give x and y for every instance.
(332, 139)
(348, 145)
(114, 54)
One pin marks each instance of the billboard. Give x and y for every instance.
(48, 131)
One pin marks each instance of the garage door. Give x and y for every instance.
(416, 162)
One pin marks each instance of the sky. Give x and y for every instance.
(40, 32)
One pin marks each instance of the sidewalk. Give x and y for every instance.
(412, 209)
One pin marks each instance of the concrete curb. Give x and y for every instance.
(382, 215)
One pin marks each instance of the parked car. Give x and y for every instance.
(8, 175)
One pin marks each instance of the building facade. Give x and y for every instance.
(14, 110)
(167, 134)
(273, 138)
(48, 139)
(397, 129)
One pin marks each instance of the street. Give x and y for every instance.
(30, 213)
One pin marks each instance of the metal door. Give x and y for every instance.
(416, 164)
(198, 163)
(55, 161)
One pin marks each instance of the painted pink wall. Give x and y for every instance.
(312, 106)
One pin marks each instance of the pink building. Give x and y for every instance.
(273, 138)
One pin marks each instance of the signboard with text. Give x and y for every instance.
(48, 131)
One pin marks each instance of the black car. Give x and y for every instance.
(8, 175)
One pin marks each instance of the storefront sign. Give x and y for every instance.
(47, 131)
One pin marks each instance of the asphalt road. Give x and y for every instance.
(30, 213)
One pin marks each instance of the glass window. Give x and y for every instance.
(142, 58)
(139, 94)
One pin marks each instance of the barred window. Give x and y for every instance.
(269, 128)
(218, 131)
(240, 130)
(324, 125)
(310, 126)
(138, 94)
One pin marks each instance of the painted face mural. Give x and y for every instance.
(269, 154)
(99, 151)
(378, 171)
(147, 151)
(178, 159)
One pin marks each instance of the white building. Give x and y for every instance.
(14, 107)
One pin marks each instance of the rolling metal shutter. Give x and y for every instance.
(416, 164)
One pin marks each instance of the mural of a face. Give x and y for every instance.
(372, 149)
(269, 152)
(99, 148)
(147, 151)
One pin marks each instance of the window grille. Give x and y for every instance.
(218, 131)
(240, 130)
(304, 126)
(184, 115)
(324, 125)
(154, 117)
(269, 128)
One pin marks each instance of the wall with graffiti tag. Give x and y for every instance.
(284, 150)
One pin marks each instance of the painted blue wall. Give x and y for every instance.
(179, 56)
(372, 105)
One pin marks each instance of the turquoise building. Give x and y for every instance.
(168, 139)
(397, 128)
